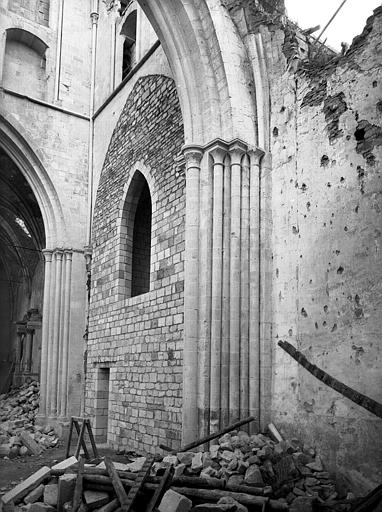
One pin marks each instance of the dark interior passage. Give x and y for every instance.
(22, 239)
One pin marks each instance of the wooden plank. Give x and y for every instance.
(138, 483)
(243, 498)
(117, 484)
(358, 398)
(369, 502)
(161, 489)
(25, 487)
(206, 439)
(77, 497)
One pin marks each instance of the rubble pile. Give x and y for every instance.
(285, 471)
(240, 473)
(19, 436)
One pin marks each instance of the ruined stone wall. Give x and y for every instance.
(56, 129)
(134, 356)
(327, 261)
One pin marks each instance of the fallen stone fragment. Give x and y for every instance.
(185, 457)
(174, 502)
(179, 470)
(302, 504)
(253, 476)
(316, 465)
(30, 443)
(170, 460)
(34, 495)
(95, 499)
(51, 494)
(66, 486)
(4, 450)
(227, 500)
(197, 462)
(23, 451)
(41, 507)
(24, 488)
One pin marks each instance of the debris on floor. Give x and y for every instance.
(19, 436)
(241, 473)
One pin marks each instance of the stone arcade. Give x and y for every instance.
(183, 184)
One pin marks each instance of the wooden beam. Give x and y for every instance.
(204, 440)
(358, 398)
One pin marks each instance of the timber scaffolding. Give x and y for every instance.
(241, 472)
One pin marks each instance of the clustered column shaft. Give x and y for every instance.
(55, 333)
(222, 346)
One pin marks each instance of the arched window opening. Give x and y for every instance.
(25, 63)
(136, 237)
(129, 31)
(140, 273)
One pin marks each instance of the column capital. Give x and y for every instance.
(218, 149)
(47, 255)
(237, 148)
(255, 155)
(59, 253)
(68, 253)
(193, 155)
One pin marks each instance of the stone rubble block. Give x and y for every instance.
(35, 495)
(41, 507)
(66, 485)
(95, 499)
(174, 502)
(51, 494)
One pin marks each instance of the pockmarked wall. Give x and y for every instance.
(135, 345)
(326, 204)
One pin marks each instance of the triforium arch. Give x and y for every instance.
(57, 273)
(221, 79)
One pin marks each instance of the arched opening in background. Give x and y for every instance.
(22, 238)
(129, 31)
(25, 63)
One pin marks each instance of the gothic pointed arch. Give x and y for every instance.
(14, 142)
(211, 67)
